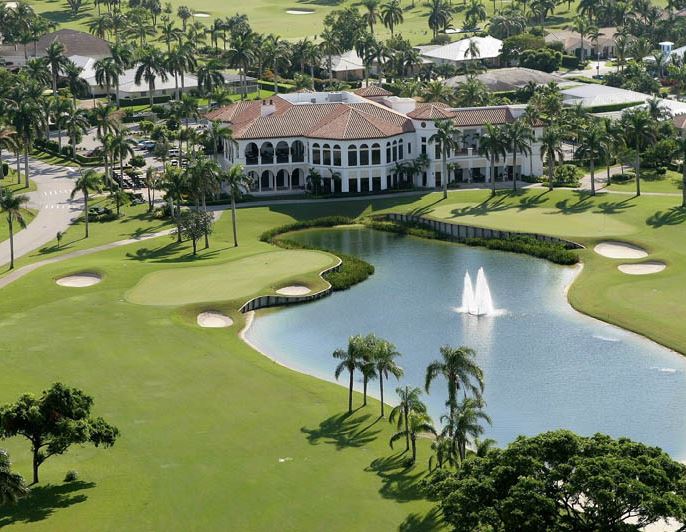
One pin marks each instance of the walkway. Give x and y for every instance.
(601, 184)
(55, 209)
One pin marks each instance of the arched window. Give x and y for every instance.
(401, 154)
(376, 154)
(251, 154)
(267, 180)
(326, 155)
(297, 152)
(281, 179)
(267, 153)
(388, 152)
(282, 152)
(364, 155)
(336, 155)
(352, 155)
(316, 154)
(297, 180)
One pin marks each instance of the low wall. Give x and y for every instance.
(461, 232)
(277, 300)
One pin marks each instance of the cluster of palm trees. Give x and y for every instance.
(376, 358)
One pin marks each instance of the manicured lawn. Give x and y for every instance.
(214, 433)
(652, 182)
(225, 282)
(10, 183)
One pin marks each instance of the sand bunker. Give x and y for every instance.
(214, 320)
(80, 280)
(644, 268)
(293, 290)
(201, 15)
(299, 11)
(620, 250)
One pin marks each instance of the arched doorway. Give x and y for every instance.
(281, 180)
(267, 181)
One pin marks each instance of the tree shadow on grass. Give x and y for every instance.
(419, 523)
(615, 207)
(420, 211)
(486, 207)
(531, 202)
(43, 501)
(343, 430)
(170, 253)
(400, 481)
(673, 216)
(580, 206)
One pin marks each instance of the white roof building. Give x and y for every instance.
(488, 47)
(594, 95)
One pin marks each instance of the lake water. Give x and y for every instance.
(546, 366)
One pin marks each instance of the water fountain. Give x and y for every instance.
(476, 299)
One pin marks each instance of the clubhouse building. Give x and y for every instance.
(361, 141)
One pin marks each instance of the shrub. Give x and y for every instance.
(567, 175)
(71, 476)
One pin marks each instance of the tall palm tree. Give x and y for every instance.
(437, 91)
(639, 129)
(408, 402)
(237, 181)
(170, 33)
(392, 15)
(121, 147)
(58, 110)
(179, 61)
(56, 60)
(493, 146)
(175, 184)
(519, 139)
(89, 181)
(592, 146)
(210, 76)
(123, 57)
(27, 120)
(184, 13)
(464, 424)
(439, 15)
(681, 144)
(107, 72)
(384, 357)
(447, 137)
(12, 486)
(78, 87)
(241, 54)
(330, 46)
(417, 423)
(583, 26)
(12, 206)
(106, 119)
(218, 134)
(551, 150)
(350, 361)
(371, 14)
(8, 141)
(76, 123)
(459, 368)
(150, 68)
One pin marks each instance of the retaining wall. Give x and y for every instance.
(461, 232)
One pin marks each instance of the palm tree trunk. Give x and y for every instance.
(444, 171)
(407, 427)
(204, 208)
(492, 175)
(9, 222)
(233, 219)
(592, 177)
(551, 170)
(85, 210)
(26, 164)
(150, 89)
(350, 394)
(381, 391)
(414, 448)
(683, 182)
(18, 153)
(2, 168)
(514, 170)
(638, 168)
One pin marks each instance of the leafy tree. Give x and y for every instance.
(459, 368)
(409, 402)
(12, 487)
(53, 422)
(12, 206)
(345, 27)
(561, 481)
(195, 225)
(89, 181)
(350, 361)
(515, 45)
(543, 59)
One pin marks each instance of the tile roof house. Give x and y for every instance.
(75, 43)
(487, 49)
(358, 143)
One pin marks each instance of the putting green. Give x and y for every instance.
(556, 221)
(230, 281)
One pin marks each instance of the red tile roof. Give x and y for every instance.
(373, 91)
(482, 115)
(431, 111)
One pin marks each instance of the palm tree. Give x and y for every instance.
(170, 33)
(12, 486)
(13, 206)
(121, 147)
(639, 128)
(459, 368)
(218, 134)
(447, 137)
(123, 56)
(519, 139)
(392, 15)
(437, 91)
(175, 184)
(472, 93)
(237, 181)
(350, 361)
(210, 76)
(384, 357)
(493, 145)
(367, 366)
(474, 13)
(551, 150)
(371, 14)
(8, 140)
(89, 181)
(76, 123)
(152, 181)
(27, 120)
(417, 423)
(463, 425)
(184, 13)
(681, 144)
(241, 54)
(444, 452)
(56, 60)
(107, 72)
(592, 146)
(179, 60)
(150, 67)
(330, 46)
(582, 25)
(106, 119)
(439, 15)
(409, 403)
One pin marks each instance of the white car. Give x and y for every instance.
(147, 144)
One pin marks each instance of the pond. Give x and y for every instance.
(546, 366)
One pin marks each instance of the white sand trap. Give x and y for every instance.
(214, 320)
(80, 280)
(201, 15)
(293, 290)
(620, 250)
(644, 268)
(299, 12)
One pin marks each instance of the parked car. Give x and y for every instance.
(147, 145)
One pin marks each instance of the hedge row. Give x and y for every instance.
(352, 271)
(526, 245)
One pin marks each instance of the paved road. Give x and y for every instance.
(55, 210)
